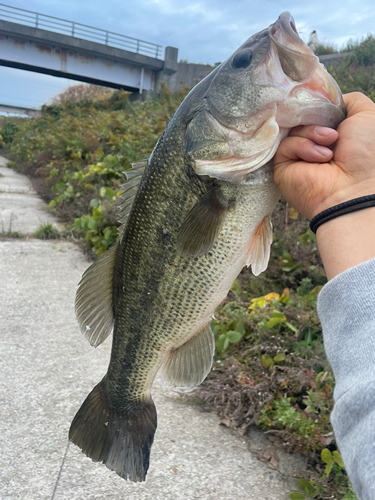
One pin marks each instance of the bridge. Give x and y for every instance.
(53, 46)
(16, 109)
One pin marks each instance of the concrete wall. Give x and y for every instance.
(176, 74)
(186, 74)
(331, 59)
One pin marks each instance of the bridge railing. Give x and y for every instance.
(78, 30)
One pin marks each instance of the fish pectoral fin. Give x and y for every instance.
(260, 247)
(189, 365)
(202, 226)
(93, 302)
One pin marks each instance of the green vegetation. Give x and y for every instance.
(77, 151)
(270, 367)
(47, 232)
(356, 72)
(8, 132)
(323, 49)
(11, 234)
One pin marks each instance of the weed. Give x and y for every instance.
(11, 234)
(47, 232)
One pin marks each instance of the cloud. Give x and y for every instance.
(205, 31)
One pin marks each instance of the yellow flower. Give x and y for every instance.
(263, 301)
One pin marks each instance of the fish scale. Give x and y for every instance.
(192, 217)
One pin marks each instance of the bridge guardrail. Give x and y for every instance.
(78, 30)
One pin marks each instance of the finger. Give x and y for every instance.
(299, 148)
(321, 135)
(356, 102)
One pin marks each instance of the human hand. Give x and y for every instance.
(312, 177)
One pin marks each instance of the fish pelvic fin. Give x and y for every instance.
(120, 439)
(190, 364)
(260, 247)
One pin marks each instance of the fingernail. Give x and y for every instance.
(322, 150)
(324, 131)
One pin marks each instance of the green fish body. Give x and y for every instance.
(192, 217)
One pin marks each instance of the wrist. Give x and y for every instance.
(346, 241)
(344, 194)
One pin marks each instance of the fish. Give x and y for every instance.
(192, 216)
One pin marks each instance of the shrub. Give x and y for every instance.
(8, 132)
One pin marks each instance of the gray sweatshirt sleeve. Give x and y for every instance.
(346, 308)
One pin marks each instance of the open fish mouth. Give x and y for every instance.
(312, 83)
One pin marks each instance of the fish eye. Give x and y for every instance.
(242, 59)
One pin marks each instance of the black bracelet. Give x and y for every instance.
(343, 208)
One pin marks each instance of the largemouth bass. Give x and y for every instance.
(192, 217)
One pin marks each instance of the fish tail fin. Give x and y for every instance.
(121, 440)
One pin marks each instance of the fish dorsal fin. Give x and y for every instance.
(93, 302)
(202, 226)
(260, 247)
(129, 190)
(189, 365)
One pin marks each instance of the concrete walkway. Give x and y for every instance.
(21, 209)
(47, 368)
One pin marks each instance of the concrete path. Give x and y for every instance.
(47, 368)
(23, 214)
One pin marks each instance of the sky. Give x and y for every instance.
(204, 31)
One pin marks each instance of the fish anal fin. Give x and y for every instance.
(260, 247)
(93, 302)
(189, 365)
(202, 226)
(121, 440)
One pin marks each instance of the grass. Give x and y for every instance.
(47, 232)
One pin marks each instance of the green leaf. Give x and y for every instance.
(215, 328)
(107, 233)
(278, 358)
(240, 327)
(226, 343)
(307, 487)
(233, 336)
(337, 458)
(296, 495)
(304, 238)
(92, 224)
(326, 456)
(103, 191)
(94, 203)
(220, 342)
(327, 470)
(275, 321)
(59, 186)
(266, 360)
(97, 212)
(278, 314)
(291, 327)
(78, 223)
(287, 258)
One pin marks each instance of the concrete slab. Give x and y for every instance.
(21, 209)
(47, 369)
